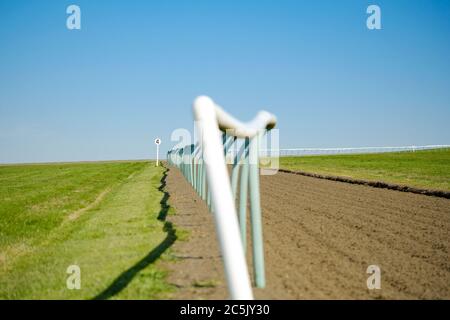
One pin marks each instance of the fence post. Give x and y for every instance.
(243, 196)
(255, 215)
(235, 173)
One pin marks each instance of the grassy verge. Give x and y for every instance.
(106, 218)
(425, 169)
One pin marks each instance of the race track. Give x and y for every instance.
(320, 237)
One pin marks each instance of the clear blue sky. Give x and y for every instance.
(131, 73)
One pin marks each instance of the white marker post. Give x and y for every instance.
(157, 142)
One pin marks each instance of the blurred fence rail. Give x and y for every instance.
(204, 166)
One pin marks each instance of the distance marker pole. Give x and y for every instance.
(157, 142)
(157, 155)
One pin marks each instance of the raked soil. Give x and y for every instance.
(320, 236)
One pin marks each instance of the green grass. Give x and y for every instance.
(425, 169)
(115, 240)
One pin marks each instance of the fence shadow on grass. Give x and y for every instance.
(127, 276)
(164, 205)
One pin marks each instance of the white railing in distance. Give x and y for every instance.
(356, 150)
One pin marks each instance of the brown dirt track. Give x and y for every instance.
(320, 237)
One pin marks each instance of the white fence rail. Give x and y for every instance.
(358, 150)
(203, 164)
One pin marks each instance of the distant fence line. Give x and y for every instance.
(330, 151)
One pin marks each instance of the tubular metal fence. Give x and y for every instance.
(203, 165)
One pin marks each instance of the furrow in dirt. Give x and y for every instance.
(320, 236)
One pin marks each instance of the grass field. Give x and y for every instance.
(426, 169)
(107, 218)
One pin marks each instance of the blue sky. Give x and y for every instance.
(131, 73)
